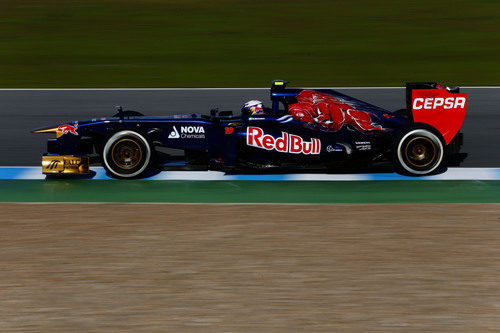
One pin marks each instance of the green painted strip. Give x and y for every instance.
(249, 191)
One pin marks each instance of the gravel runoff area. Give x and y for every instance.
(249, 268)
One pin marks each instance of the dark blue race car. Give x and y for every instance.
(305, 129)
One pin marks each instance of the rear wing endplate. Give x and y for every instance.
(438, 106)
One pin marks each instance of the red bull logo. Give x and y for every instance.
(331, 113)
(63, 129)
(287, 143)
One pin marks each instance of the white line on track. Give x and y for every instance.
(202, 89)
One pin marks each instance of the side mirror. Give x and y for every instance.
(119, 113)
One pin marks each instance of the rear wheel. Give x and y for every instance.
(127, 154)
(418, 152)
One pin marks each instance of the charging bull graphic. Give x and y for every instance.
(63, 129)
(331, 113)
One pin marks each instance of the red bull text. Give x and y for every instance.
(286, 143)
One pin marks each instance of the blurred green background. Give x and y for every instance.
(194, 43)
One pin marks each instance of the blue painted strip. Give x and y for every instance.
(11, 173)
(100, 173)
(30, 173)
(390, 176)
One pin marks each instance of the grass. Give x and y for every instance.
(366, 192)
(195, 43)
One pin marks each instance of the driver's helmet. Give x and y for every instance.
(254, 107)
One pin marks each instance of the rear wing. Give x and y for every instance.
(438, 106)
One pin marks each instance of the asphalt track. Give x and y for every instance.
(22, 110)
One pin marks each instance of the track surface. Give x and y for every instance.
(23, 110)
(168, 268)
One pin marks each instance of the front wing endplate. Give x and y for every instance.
(65, 164)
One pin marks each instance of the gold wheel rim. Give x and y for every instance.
(420, 151)
(126, 154)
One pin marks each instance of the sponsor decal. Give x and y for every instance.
(63, 129)
(65, 164)
(228, 130)
(441, 109)
(72, 163)
(53, 164)
(363, 145)
(174, 134)
(331, 149)
(433, 103)
(192, 132)
(188, 132)
(340, 147)
(286, 143)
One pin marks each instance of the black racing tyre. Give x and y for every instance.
(127, 154)
(418, 151)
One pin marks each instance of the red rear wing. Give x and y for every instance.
(440, 107)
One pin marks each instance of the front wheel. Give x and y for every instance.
(418, 152)
(127, 154)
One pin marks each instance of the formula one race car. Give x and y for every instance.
(305, 129)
